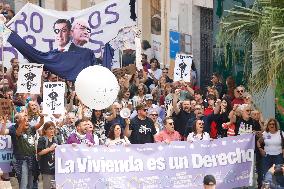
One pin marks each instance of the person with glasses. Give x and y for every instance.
(140, 129)
(271, 145)
(153, 114)
(241, 116)
(238, 93)
(168, 134)
(80, 32)
(62, 28)
(198, 132)
(66, 62)
(46, 153)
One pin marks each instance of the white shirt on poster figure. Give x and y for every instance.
(182, 70)
(157, 74)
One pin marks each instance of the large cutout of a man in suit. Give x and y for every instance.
(69, 58)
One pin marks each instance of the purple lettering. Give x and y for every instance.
(23, 22)
(72, 20)
(11, 50)
(36, 14)
(98, 20)
(107, 11)
(26, 38)
(100, 43)
(50, 43)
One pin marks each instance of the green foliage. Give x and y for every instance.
(262, 29)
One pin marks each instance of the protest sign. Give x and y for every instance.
(29, 80)
(119, 72)
(6, 153)
(53, 98)
(182, 67)
(5, 107)
(35, 25)
(178, 165)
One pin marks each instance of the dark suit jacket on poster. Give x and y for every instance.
(66, 65)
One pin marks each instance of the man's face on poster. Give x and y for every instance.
(80, 33)
(62, 34)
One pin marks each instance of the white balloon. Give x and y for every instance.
(97, 87)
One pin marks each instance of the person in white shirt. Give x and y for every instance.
(271, 145)
(116, 137)
(154, 74)
(198, 132)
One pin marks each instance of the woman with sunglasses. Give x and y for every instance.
(116, 136)
(46, 151)
(198, 132)
(271, 145)
(157, 121)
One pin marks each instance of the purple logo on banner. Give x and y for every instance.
(178, 165)
(6, 153)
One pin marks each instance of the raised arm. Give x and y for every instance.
(4, 130)
(175, 100)
(127, 131)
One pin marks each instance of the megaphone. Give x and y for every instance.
(125, 113)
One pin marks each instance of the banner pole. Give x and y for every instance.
(2, 51)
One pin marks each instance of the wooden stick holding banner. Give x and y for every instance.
(182, 70)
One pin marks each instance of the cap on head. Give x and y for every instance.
(209, 180)
(148, 97)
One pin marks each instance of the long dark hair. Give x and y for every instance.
(194, 130)
(94, 119)
(111, 132)
(229, 105)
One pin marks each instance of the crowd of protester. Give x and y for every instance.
(161, 110)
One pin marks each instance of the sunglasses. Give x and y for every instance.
(240, 91)
(171, 123)
(154, 114)
(84, 28)
(57, 31)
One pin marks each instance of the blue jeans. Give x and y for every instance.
(269, 160)
(26, 177)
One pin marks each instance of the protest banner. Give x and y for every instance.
(178, 165)
(34, 24)
(6, 153)
(53, 98)
(5, 107)
(182, 67)
(29, 80)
